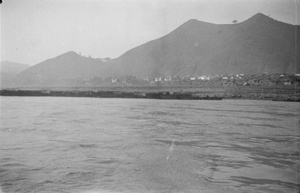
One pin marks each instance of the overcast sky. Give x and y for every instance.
(35, 30)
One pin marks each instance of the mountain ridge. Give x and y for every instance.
(12, 67)
(258, 44)
(8, 71)
(233, 35)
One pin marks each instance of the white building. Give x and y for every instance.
(168, 79)
(157, 79)
(203, 78)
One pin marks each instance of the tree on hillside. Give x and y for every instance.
(234, 21)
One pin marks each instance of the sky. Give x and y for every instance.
(33, 31)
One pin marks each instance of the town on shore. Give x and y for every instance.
(264, 79)
(276, 87)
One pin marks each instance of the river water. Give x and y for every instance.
(81, 145)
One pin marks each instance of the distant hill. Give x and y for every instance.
(12, 67)
(8, 70)
(259, 44)
(62, 69)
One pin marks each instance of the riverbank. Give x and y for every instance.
(109, 94)
(275, 93)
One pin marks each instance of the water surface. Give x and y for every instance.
(52, 144)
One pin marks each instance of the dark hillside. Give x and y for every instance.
(259, 44)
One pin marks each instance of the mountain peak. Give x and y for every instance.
(192, 21)
(192, 25)
(259, 17)
(70, 53)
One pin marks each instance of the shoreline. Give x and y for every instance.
(109, 94)
(271, 93)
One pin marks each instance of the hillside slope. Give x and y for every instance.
(62, 69)
(259, 44)
(8, 71)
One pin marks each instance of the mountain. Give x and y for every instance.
(8, 70)
(12, 67)
(62, 69)
(259, 44)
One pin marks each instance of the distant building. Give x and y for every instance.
(287, 83)
(203, 78)
(157, 79)
(46, 92)
(168, 78)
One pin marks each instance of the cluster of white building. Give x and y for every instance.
(153, 80)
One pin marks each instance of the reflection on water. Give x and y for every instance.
(130, 145)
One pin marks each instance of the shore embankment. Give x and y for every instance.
(109, 94)
(275, 93)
